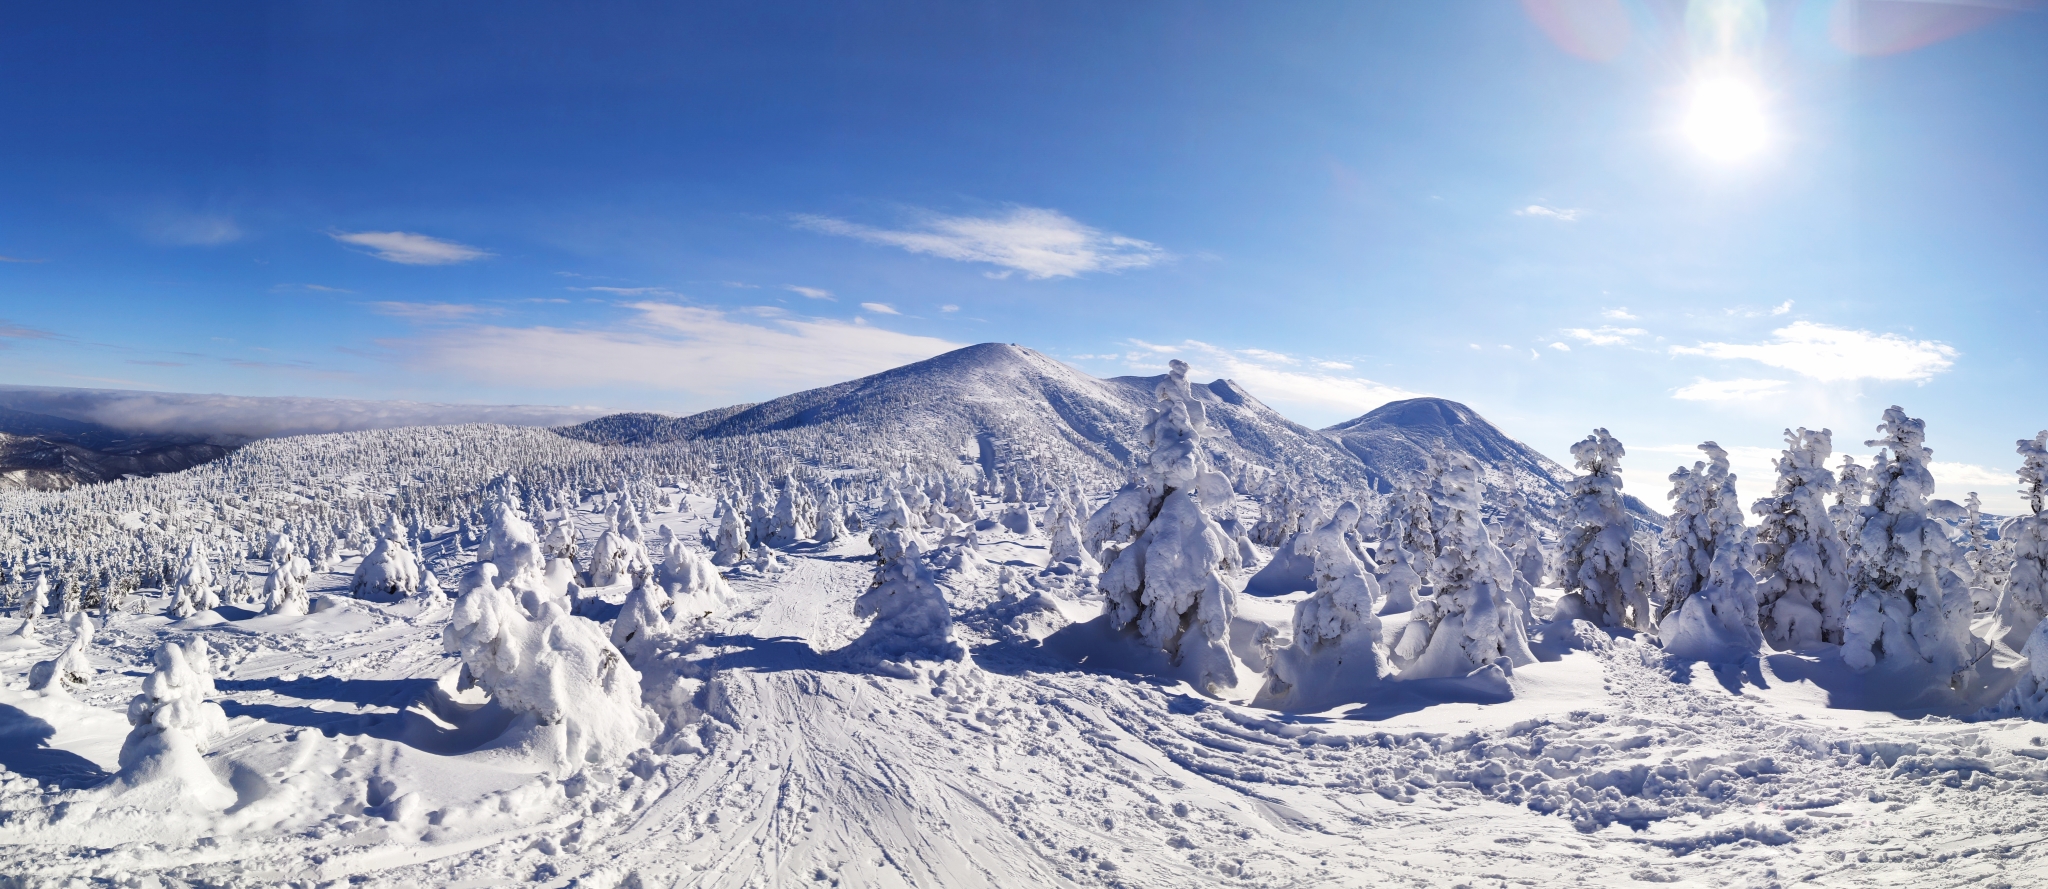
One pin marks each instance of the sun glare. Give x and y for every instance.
(1726, 121)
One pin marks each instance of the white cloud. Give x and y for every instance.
(1270, 357)
(880, 308)
(407, 248)
(1312, 398)
(701, 351)
(949, 308)
(810, 292)
(425, 312)
(1560, 347)
(1833, 354)
(1618, 313)
(1997, 488)
(1333, 365)
(1730, 390)
(1605, 336)
(1560, 214)
(1040, 243)
(1782, 308)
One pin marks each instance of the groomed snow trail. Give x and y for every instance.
(1019, 768)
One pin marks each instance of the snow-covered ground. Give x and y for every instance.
(1057, 754)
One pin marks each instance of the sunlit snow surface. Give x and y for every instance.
(1049, 760)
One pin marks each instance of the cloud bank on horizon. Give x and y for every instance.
(240, 417)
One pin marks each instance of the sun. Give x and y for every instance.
(1726, 121)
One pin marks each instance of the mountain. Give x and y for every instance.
(45, 453)
(1394, 442)
(997, 402)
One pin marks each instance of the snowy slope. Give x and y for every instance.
(1012, 402)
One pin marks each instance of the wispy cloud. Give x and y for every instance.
(407, 248)
(1040, 243)
(1561, 347)
(1318, 398)
(11, 331)
(949, 308)
(880, 308)
(628, 291)
(1605, 336)
(708, 353)
(316, 288)
(1836, 354)
(1561, 214)
(808, 292)
(191, 230)
(1782, 308)
(426, 312)
(1730, 391)
(1618, 313)
(158, 363)
(19, 259)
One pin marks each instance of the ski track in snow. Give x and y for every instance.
(1610, 768)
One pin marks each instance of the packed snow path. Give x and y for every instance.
(1027, 766)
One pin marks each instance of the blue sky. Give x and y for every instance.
(1515, 205)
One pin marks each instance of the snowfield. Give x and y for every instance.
(1062, 632)
(1026, 764)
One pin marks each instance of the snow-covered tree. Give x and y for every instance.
(637, 631)
(910, 620)
(1905, 602)
(1413, 527)
(576, 699)
(733, 537)
(2023, 597)
(1605, 572)
(1334, 657)
(1066, 547)
(831, 521)
(31, 609)
(697, 589)
(1169, 582)
(1709, 610)
(1400, 583)
(1472, 620)
(794, 514)
(616, 556)
(194, 591)
(70, 669)
(1852, 484)
(173, 723)
(390, 570)
(1801, 563)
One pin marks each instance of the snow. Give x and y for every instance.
(805, 725)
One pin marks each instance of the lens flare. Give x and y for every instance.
(1726, 121)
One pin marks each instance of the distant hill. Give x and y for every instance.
(45, 453)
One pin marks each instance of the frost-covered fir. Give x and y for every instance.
(1472, 621)
(195, 590)
(390, 571)
(908, 614)
(1334, 655)
(1710, 606)
(162, 757)
(71, 669)
(696, 590)
(32, 607)
(1605, 573)
(1906, 605)
(1170, 581)
(574, 698)
(2023, 597)
(1802, 563)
